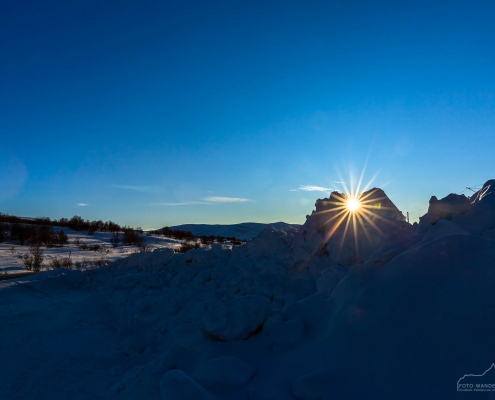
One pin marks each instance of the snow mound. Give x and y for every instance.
(286, 333)
(237, 318)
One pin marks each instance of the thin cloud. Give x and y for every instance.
(309, 188)
(207, 200)
(82, 204)
(146, 189)
(226, 199)
(186, 203)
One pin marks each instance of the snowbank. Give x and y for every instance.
(291, 314)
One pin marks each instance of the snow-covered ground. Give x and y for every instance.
(385, 310)
(11, 253)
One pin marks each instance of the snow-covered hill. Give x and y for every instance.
(243, 231)
(385, 310)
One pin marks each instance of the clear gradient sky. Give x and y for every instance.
(153, 113)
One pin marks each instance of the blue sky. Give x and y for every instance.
(156, 113)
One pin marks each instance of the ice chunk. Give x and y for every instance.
(329, 278)
(180, 356)
(237, 318)
(176, 385)
(481, 216)
(287, 333)
(308, 310)
(441, 229)
(453, 204)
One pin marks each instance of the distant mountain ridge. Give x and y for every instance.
(244, 230)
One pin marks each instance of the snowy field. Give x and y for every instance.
(342, 308)
(11, 253)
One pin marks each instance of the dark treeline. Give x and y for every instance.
(34, 234)
(76, 223)
(186, 235)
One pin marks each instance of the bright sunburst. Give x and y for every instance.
(353, 204)
(356, 210)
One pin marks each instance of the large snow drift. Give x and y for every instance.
(389, 310)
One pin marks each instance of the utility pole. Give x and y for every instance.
(408, 217)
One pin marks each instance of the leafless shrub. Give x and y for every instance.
(33, 260)
(98, 263)
(145, 249)
(184, 247)
(95, 247)
(64, 262)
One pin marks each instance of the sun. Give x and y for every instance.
(355, 210)
(353, 204)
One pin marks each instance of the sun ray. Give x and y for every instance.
(368, 185)
(346, 190)
(330, 210)
(335, 227)
(344, 235)
(352, 185)
(335, 216)
(356, 243)
(370, 193)
(373, 224)
(363, 227)
(378, 216)
(358, 188)
(364, 201)
(340, 197)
